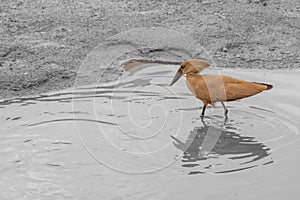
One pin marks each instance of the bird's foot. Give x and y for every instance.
(202, 118)
(225, 115)
(226, 118)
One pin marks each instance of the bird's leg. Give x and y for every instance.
(203, 111)
(225, 110)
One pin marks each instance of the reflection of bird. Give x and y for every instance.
(211, 88)
(206, 140)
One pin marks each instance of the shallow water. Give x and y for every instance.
(136, 138)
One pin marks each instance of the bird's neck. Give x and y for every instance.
(192, 74)
(190, 77)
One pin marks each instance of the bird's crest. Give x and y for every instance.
(194, 65)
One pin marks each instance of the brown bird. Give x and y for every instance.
(210, 88)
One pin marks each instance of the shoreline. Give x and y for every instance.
(45, 43)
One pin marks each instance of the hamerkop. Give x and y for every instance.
(211, 88)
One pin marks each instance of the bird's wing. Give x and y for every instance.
(217, 80)
(225, 88)
(236, 91)
(230, 80)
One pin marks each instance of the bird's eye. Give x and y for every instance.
(182, 67)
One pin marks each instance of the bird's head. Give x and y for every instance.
(189, 67)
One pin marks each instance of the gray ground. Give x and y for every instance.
(43, 43)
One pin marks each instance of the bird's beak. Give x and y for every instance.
(176, 77)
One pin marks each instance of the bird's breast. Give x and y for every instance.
(196, 86)
(191, 87)
(203, 89)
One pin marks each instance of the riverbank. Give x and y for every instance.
(44, 42)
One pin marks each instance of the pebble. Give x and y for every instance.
(272, 48)
(224, 49)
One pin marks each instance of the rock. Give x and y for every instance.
(272, 48)
(224, 49)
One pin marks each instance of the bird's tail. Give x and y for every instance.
(269, 87)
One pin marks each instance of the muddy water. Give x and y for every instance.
(137, 138)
